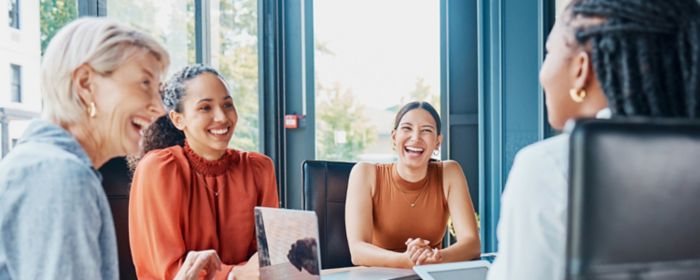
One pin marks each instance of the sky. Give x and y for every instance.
(381, 47)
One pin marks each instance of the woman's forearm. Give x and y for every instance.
(466, 250)
(366, 254)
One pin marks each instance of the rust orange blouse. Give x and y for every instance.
(181, 202)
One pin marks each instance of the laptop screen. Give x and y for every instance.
(467, 270)
(288, 246)
(460, 274)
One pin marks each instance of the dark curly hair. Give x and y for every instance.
(163, 133)
(645, 53)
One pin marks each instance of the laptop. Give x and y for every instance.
(289, 248)
(470, 270)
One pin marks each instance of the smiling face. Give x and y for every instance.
(208, 116)
(127, 101)
(415, 138)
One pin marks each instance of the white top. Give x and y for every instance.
(532, 228)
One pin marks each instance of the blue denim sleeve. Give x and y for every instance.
(52, 226)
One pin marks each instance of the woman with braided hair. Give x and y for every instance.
(622, 58)
(190, 192)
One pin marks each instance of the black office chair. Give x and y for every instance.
(634, 199)
(116, 181)
(325, 184)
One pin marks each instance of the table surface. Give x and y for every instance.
(368, 273)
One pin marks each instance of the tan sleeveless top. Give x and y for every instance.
(395, 220)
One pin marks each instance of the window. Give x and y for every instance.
(365, 70)
(235, 53)
(171, 22)
(13, 11)
(233, 48)
(54, 14)
(16, 90)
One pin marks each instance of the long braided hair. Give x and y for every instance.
(645, 54)
(163, 133)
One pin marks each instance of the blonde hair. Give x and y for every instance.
(100, 43)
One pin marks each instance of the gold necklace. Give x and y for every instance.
(413, 204)
(395, 172)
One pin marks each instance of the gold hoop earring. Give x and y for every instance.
(92, 110)
(577, 95)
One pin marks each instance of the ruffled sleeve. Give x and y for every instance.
(156, 215)
(266, 181)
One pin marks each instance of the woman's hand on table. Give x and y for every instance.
(197, 263)
(419, 252)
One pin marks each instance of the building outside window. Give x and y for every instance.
(16, 85)
(13, 11)
(20, 57)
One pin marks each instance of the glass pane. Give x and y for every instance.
(13, 13)
(234, 52)
(172, 22)
(55, 14)
(20, 54)
(16, 90)
(366, 68)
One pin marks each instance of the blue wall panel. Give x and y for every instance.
(520, 74)
(510, 115)
(460, 73)
(298, 89)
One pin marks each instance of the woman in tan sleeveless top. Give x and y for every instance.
(396, 214)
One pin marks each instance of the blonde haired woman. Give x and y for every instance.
(100, 90)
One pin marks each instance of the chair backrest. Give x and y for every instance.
(634, 200)
(325, 184)
(116, 181)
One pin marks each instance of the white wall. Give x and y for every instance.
(21, 47)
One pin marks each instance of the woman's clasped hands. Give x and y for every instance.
(419, 252)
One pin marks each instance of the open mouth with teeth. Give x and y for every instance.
(219, 131)
(413, 151)
(139, 125)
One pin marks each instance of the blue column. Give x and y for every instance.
(510, 99)
(299, 93)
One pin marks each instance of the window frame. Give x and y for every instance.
(16, 83)
(14, 14)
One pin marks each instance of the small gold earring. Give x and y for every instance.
(92, 110)
(577, 95)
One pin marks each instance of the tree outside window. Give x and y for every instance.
(235, 53)
(54, 14)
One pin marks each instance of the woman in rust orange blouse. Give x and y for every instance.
(190, 192)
